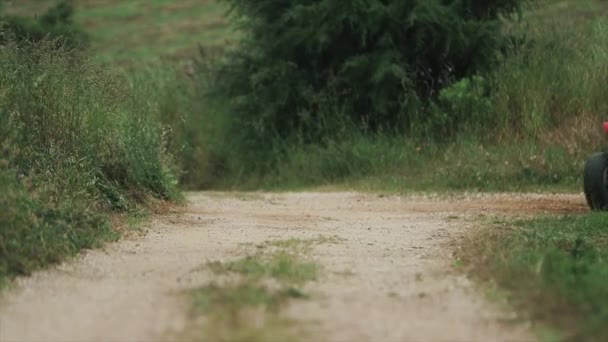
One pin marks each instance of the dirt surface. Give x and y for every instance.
(390, 278)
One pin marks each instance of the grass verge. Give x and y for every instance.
(78, 145)
(553, 270)
(247, 307)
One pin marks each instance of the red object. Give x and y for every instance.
(606, 126)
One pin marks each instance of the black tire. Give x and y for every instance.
(596, 181)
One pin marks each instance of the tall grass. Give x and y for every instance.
(76, 143)
(180, 93)
(554, 85)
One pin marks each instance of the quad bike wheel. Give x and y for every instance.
(596, 181)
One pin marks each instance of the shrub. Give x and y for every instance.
(464, 105)
(378, 62)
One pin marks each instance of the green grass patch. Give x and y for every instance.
(248, 307)
(282, 266)
(281, 260)
(131, 32)
(229, 301)
(553, 269)
(35, 233)
(243, 313)
(398, 164)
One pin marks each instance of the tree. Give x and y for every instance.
(375, 61)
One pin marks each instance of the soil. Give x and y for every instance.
(388, 276)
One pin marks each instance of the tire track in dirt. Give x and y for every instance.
(389, 279)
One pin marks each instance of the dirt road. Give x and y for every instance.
(389, 279)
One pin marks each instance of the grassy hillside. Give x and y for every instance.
(132, 32)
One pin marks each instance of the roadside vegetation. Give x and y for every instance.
(523, 115)
(107, 106)
(78, 144)
(554, 272)
(523, 118)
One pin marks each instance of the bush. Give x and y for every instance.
(378, 62)
(464, 105)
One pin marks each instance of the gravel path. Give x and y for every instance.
(388, 279)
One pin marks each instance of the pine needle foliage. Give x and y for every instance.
(371, 62)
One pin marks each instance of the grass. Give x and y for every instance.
(213, 298)
(553, 270)
(78, 145)
(539, 122)
(398, 164)
(247, 306)
(87, 150)
(131, 32)
(244, 313)
(550, 97)
(282, 266)
(35, 233)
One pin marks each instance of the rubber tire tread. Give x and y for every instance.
(596, 191)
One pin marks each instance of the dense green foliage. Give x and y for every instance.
(374, 63)
(526, 122)
(56, 24)
(35, 232)
(76, 143)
